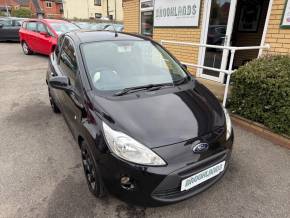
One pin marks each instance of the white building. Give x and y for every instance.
(90, 9)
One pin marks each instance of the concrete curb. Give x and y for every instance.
(261, 130)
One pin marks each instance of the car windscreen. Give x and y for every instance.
(116, 65)
(83, 25)
(62, 27)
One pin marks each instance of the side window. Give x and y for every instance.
(6, 23)
(41, 28)
(67, 61)
(31, 26)
(59, 43)
(17, 23)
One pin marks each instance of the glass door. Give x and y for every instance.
(146, 17)
(217, 31)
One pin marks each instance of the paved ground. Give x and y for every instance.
(41, 174)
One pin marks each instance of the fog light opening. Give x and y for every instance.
(127, 183)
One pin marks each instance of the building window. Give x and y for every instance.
(146, 4)
(48, 4)
(146, 17)
(98, 2)
(147, 23)
(98, 15)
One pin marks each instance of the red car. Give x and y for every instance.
(40, 35)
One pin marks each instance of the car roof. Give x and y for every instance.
(11, 18)
(48, 20)
(87, 36)
(55, 21)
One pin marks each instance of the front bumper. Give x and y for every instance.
(169, 190)
(157, 186)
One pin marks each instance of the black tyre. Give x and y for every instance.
(26, 49)
(92, 172)
(54, 107)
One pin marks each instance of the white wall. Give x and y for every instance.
(116, 9)
(85, 9)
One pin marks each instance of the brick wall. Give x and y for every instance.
(186, 54)
(53, 12)
(183, 53)
(277, 37)
(131, 15)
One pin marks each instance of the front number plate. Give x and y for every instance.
(202, 176)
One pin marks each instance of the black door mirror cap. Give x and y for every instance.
(1, 25)
(184, 66)
(60, 82)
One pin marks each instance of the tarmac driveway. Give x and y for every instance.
(41, 173)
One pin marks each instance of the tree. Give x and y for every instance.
(2, 14)
(22, 12)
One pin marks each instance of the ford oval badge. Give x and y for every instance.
(201, 147)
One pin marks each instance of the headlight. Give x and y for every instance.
(129, 149)
(228, 123)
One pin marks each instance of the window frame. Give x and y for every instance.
(144, 10)
(98, 15)
(98, 2)
(48, 4)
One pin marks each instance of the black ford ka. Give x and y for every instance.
(148, 131)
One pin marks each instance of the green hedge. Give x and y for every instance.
(22, 12)
(261, 92)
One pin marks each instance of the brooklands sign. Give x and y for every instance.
(176, 13)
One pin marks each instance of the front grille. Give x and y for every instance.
(203, 164)
(174, 193)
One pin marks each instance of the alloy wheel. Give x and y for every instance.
(54, 107)
(51, 101)
(89, 168)
(25, 48)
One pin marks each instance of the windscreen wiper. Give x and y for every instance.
(150, 87)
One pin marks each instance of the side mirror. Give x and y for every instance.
(184, 66)
(1, 25)
(60, 82)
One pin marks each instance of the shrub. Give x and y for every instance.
(22, 12)
(261, 92)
